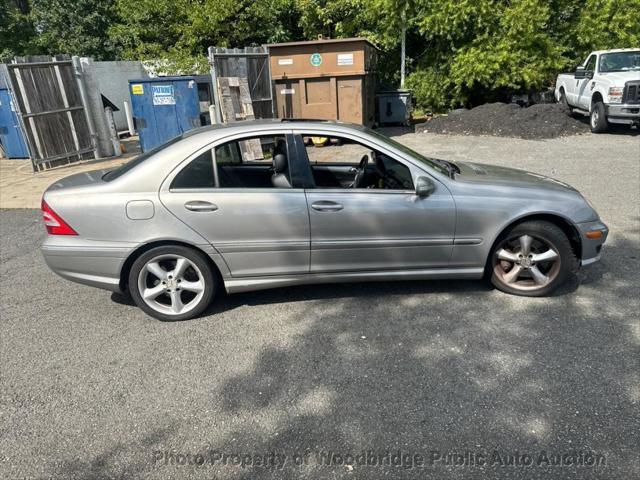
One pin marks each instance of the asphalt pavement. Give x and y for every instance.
(434, 379)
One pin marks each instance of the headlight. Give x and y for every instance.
(615, 94)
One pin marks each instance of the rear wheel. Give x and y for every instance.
(172, 282)
(532, 259)
(598, 118)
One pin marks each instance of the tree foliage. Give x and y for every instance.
(458, 51)
(180, 31)
(17, 32)
(75, 27)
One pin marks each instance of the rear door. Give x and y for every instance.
(382, 226)
(258, 229)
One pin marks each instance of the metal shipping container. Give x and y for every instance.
(164, 108)
(325, 79)
(11, 136)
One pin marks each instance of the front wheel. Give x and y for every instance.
(172, 282)
(532, 259)
(598, 119)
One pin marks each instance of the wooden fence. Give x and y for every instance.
(52, 110)
(251, 63)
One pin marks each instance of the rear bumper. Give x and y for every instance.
(623, 113)
(85, 263)
(592, 237)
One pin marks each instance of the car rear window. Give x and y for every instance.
(118, 172)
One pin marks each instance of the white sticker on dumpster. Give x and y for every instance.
(163, 95)
(345, 59)
(285, 61)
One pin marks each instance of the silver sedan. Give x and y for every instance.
(264, 204)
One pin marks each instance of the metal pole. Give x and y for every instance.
(214, 81)
(403, 41)
(113, 132)
(127, 113)
(77, 70)
(272, 85)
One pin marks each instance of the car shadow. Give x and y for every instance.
(335, 291)
(225, 302)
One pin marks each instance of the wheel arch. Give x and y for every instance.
(126, 266)
(595, 98)
(566, 225)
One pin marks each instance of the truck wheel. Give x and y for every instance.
(598, 119)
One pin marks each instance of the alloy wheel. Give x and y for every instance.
(171, 284)
(526, 262)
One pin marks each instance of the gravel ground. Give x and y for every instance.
(509, 120)
(92, 388)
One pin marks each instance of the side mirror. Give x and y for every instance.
(425, 186)
(582, 73)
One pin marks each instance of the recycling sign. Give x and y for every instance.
(316, 59)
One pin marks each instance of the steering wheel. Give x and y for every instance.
(360, 172)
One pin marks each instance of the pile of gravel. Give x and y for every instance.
(544, 120)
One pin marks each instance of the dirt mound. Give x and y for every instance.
(544, 120)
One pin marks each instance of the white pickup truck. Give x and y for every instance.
(606, 87)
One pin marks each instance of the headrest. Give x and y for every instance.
(279, 162)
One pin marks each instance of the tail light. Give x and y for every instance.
(54, 223)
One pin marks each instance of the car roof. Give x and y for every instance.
(615, 50)
(284, 122)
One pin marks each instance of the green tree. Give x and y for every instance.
(605, 24)
(76, 27)
(458, 51)
(17, 32)
(180, 31)
(480, 50)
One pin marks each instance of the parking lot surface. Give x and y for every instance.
(356, 380)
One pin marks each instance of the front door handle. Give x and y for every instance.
(200, 206)
(326, 206)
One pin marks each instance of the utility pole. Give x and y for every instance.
(403, 41)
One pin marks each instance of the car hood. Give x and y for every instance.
(619, 78)
(513, 177)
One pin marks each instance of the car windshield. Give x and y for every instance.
(620, 61)
(118, 172)
(439, 167)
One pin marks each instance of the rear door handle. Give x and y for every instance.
(200, 206)
(326, 206)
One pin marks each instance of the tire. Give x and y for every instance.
(532, 259)
(179, 282)
(598, 118)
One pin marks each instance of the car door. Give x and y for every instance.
(583, 88)
(356, 229)
(257, 228)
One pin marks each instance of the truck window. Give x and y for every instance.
(591, 64)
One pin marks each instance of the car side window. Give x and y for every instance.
(591, 64)
(343, 163)
(245, 163)
(249, 162)
(198, 174)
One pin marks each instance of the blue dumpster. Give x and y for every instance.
(164, 108)
(11, 136)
